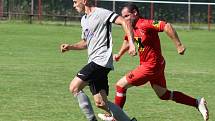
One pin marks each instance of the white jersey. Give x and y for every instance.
(96, 31)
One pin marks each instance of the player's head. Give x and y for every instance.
(80, 5)
(130, 12)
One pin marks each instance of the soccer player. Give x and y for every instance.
(152, 63)
(96, 38)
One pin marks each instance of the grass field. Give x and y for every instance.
(34, 75)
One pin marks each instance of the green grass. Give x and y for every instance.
(34, 75)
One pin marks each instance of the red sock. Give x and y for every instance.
(179, 97)
(120, 96)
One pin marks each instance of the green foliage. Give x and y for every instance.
(34, 75)
(59, 8)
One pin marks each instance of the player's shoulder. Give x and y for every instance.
(102, 10)
(145, 20)
(142, 22)
(83, 18)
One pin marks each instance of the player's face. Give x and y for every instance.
(79, 5)
(128, 15)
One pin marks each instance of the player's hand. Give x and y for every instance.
(132, 50)
(181, 49)
(64, 48)
(116, 57)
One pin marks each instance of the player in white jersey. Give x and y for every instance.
(96, 38)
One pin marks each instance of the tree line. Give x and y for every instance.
(169, 12)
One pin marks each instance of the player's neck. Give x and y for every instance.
(89, 10)
(136, 20)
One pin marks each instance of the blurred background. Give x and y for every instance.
(185, 14)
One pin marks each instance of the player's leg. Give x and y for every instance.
(99, 88)
(76, 87)
(85, 106)
(179, 97)
(159, 86)
(121, 88)
(112, 111)
(163, 93)
(102, 102)
(138, 76)
(118, 113)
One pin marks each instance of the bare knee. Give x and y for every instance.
(100, 104)
(123, 83)
(73, 89)
(76, 85)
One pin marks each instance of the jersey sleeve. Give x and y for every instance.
(109, 16)
(159, 25)
(113, 17)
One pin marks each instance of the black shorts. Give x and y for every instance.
(96, 76)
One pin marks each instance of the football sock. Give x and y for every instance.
(120, 96)
(85, 105)
(166, 96)
(182, 98)
(117, 112)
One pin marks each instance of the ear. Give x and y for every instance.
(85, 2)
(135, 12)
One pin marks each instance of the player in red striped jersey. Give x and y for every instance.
(152, 63)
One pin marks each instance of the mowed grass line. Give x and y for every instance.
(34, 75)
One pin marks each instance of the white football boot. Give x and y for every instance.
(106, 117)
(202, 107)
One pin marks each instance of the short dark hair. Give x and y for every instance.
(91, 3)
(131, 7)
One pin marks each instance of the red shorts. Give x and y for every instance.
(154, 73)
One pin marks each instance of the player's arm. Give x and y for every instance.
(123, 49)
(77, 46)
(171, 32)
(129, 32)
